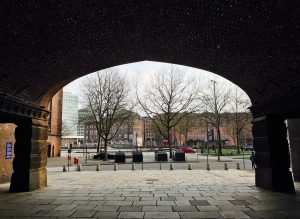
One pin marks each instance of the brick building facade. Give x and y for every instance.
(201, 133)
(130, 133)
(141, 131)
(55, 125)
(7, 131)
(6, 135)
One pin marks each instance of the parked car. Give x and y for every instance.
(188, 150)
(249, 147)
(100, 156)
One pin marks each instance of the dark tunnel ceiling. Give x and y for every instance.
(45, 45)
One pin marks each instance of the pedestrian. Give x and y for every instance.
(252, 158)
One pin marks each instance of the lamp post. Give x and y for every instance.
(244, 150)
(207, 137)
(84, 141)
(136, 143)
(86, 151)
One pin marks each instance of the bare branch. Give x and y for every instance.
(106, 99)
(216, 101)
(240, 117)
(169, 99)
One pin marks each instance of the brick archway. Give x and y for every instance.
(254, 45)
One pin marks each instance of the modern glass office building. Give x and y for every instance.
(69, 114)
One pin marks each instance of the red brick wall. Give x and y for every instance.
(54, 136)
(7, 131)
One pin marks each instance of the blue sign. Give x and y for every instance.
(8, 150)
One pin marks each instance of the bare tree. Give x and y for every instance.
(239, 117)
(215, 101)
(105, 96)
(158, 138)
(171, 93)
(67, 128)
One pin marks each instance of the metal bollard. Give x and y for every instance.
(225, 166)
(133, 166)
(208, 167)
(171, 166)
(142, 165)
(79, 167)
(98, 167)
(189, 166)
(115, 167)
(238, 166)
(64, 168)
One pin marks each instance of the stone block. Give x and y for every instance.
(131, 215)
(209, 214)
(161, 215)
(199, 202)
(157, 208)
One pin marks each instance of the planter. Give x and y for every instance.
(161, 156)
(178, 156)
(137, 156)
(120, 157)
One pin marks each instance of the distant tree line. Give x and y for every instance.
(171, 100)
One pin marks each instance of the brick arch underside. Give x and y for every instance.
(47, 45)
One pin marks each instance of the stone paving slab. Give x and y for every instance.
(171, 194)
(266, 214)
(233, 214)
(185, 208)
(132, 215)
(199, 202)
(157, 208)
(130, 208)
(211, 214)
(161, 215)
(107, 215)
(81, 213)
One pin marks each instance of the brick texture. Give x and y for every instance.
(55, 122)
(6, 134)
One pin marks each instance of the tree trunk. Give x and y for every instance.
(98, 145)
(170, 145)
(180, 139)
(105, 150)
(170, 149)
(219, 143)
(238, 143)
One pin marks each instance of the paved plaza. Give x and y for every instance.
(150, 194)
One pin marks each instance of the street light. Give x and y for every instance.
(86, 151)
(207, 137)
(136, 134)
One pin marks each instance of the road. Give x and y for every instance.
(198, 161)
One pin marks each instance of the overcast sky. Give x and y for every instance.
(141, 72)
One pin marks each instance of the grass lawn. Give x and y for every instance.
(226, 152)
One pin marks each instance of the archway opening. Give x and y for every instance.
(199, 136)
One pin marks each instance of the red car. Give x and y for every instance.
(188, 150)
